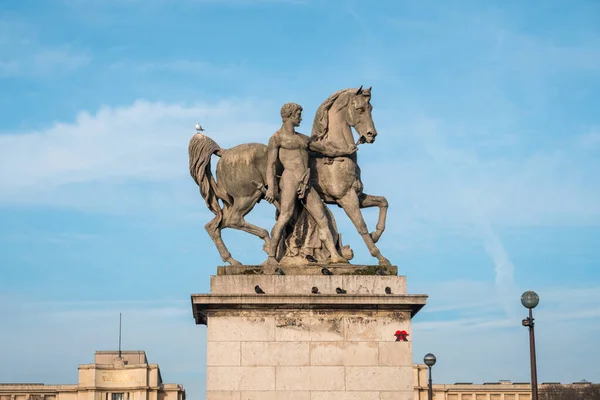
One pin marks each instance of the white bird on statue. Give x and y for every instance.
(199, 128)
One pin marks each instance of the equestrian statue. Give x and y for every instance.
(299, 175)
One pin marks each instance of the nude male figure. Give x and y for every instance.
(291, 149)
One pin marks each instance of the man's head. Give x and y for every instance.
(293, 112)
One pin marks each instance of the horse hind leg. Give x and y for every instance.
(234, 217)
(214, 231)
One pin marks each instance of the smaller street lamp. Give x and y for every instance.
(530, 300)
(429, 360)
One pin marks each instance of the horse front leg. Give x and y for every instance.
(351, 205)
(366, 201)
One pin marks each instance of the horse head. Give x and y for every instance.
(359, 115)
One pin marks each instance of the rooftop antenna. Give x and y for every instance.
(119, 335)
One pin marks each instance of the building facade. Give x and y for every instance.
(114, 375)
(502, 390)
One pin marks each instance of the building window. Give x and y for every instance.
(116, 396)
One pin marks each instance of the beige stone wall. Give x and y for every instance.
(310, 354)
(302, 284)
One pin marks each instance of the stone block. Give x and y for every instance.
(310, 378)
(218, 395)
(302, 284)
(299, 284)
(276, 395)
(395, 353)
(379, 378)
(374, 284)
(240, 378)
(344, 353)
(244, 326)
(290, 344)
(344, 395)
(376, 326)
(275, 353)
(223, 353)
(309, 326)
(401, 395)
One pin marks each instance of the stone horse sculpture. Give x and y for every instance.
(241, 173)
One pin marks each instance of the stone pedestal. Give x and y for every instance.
(291, 344)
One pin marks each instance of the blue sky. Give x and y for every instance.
(488, 152)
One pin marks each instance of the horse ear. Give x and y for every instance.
(367, 92)
(359, 91)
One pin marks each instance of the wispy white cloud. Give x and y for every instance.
(470, 197)
(473, 303)
(22, 53)
(144, 142)
(448, 176)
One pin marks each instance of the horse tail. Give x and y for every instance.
(200, 150)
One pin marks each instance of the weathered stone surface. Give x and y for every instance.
(309, 269)
(281, 344)
(379, 378)
(240, 378)
(302, 284)
(223, 353)
(299, 201)
(250, 328)
(309, 326)
(377, 326)
(344, 353)
(275, 353)
(310, 378)
(295, 173)
(222, 305)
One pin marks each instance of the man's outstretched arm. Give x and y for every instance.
(330, 151)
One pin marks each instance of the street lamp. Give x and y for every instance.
(529, 300)
(429, 360)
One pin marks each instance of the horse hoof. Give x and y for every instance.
(338, 260)
(347, 252)
(233, 261)
(375, 236)
(271, 261)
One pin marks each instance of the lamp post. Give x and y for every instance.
(429, 360)
(529, 300)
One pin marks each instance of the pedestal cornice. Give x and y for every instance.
(204, 303)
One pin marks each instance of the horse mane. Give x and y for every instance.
(321, 122)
